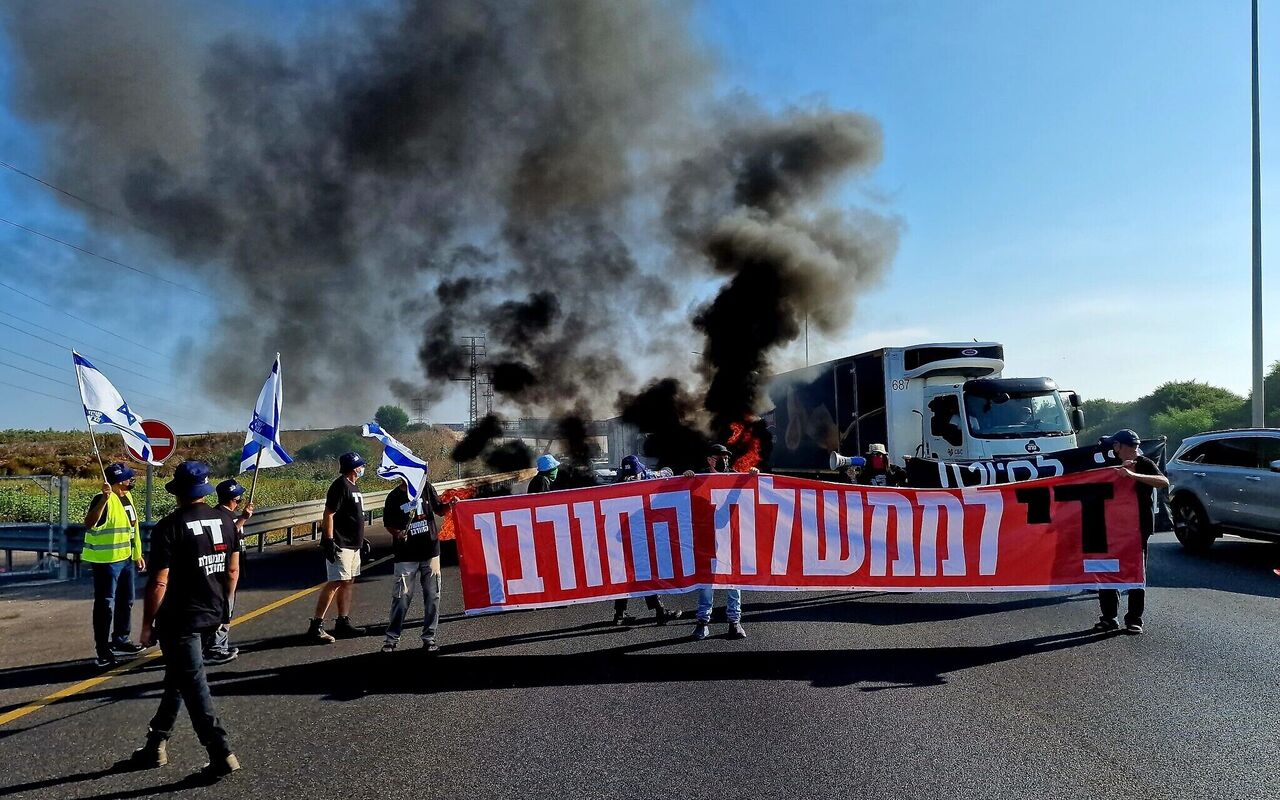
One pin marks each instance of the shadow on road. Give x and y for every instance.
(191, 781)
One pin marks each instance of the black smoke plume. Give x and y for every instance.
(555, 174)
(509, 457)
(477, 439)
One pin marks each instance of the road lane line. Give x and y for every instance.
(136, 663)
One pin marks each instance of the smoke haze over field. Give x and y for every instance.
(559, 175)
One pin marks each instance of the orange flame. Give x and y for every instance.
(461, 493)
(745, 445)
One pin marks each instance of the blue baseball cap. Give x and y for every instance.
(229, 490)
(190, 480)
(350, 461)
(1124, 436)
(547, 462)
(119, 473)
(631, 465)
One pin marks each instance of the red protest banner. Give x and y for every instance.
(773, 532)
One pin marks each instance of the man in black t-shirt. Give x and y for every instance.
(342, 538)
(194, 568)
(416, 545)
(1128, 456)
(218, 649)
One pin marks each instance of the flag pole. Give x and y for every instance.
(253, 485)
(89, 426)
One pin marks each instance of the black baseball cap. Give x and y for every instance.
(1125, 436)
(717, 450)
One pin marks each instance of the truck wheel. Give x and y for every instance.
(1191, 525)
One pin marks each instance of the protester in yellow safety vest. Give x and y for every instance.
(112, 548)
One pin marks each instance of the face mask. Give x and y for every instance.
(359, 472)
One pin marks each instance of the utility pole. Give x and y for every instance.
(1259, 404)
(420, 410)
(476, 346)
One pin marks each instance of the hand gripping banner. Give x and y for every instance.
(777, 533)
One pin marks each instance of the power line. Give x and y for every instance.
(107, 259)
(81, 343)
(95, 357)
(42, 394)
(104, 209)
(37, 374)
(80, 319)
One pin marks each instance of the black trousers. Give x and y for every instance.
(652, 601)
(1109, 599)
(184, 681)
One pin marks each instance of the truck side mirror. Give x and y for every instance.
(1275, 465)
(1077, 419)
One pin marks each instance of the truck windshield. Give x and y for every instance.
(1016, 415)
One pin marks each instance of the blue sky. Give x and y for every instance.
(1072, 178)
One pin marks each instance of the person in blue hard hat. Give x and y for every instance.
(113, 550)
(1126, 453)
(341, 541)
(218, 649)
(548, 471)
(633, 469)
(194, 568)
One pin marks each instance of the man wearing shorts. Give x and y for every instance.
(342, 539)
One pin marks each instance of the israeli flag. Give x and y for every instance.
(264, 429)
(399, 462)
(103, 405)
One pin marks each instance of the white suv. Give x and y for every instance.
(1226, 481)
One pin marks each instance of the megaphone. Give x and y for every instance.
(842, 462)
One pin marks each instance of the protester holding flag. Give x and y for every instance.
(416, 547)
(112, 548)
(217, 645)
(410, 516)
(343, 536)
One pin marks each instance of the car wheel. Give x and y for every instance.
(1191, 525)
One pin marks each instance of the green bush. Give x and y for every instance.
(343, 440)
(392, 419)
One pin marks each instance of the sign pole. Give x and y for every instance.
(147, 504)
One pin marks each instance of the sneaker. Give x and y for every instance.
(1106, 625)
(736, 631)
(104, 660)
(623, 620)
(664, 616)
(126, 648)
(345, 630)
(389, 647)
(316, 634)
(151, 755)
(220, 766)
(430, 646)
(215, 657)
(702, 630)
(1132, 628)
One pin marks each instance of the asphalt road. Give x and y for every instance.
(832, 695)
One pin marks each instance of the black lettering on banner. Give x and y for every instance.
(1092, 498)
(1037, 503)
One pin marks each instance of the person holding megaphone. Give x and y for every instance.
(875, 469)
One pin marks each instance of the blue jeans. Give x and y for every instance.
(113, 590)
(184, 682)
(428, 574)
(732, 609)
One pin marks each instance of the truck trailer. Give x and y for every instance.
(942, 400)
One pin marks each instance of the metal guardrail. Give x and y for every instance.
(65, 541)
